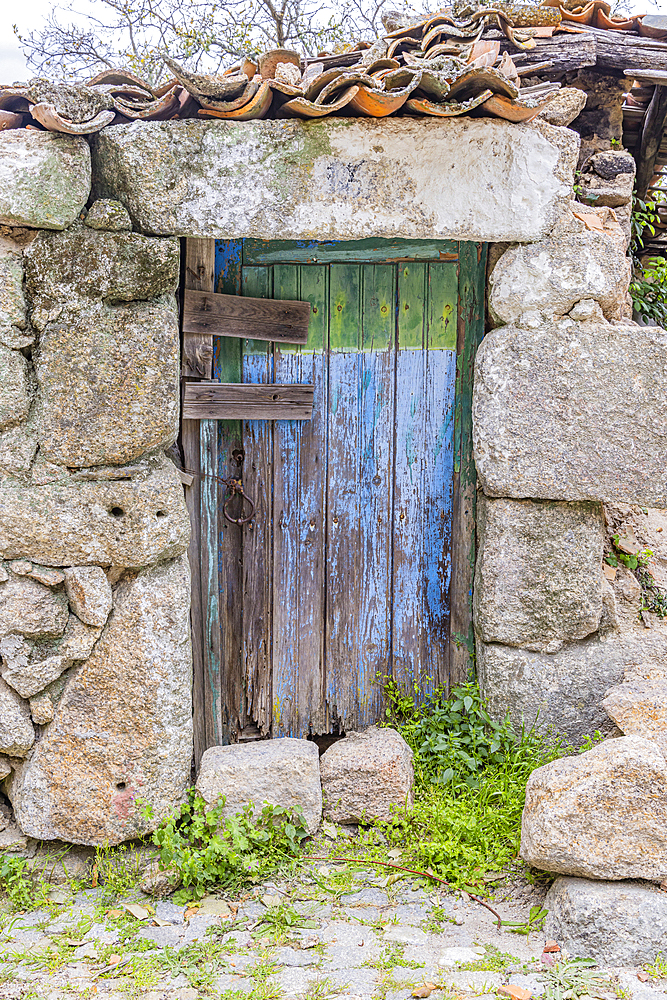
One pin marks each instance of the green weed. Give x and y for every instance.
(391, 956)
(119, 869)
(659, 968)
(207, 849)
(17, 882)
(494, 961)
(279, 920)
(323, 989)
(574, 978)
(535, 922)
(470, 781)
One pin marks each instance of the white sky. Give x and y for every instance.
(29, 15)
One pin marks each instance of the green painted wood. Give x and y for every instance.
(411, 297)
(472, 279)
(442, 298)
(360, 251)
(345, 307)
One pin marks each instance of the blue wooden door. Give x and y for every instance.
(345, 574)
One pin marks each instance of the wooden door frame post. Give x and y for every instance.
(199, 443)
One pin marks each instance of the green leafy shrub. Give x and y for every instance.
(16, 882)
(206, 849)
(470, 782)
(648, 287)
(649, 290)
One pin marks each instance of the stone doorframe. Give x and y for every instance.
(568, 412)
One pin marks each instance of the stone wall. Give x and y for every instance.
(95, 670)
(95, 709)
(570, 429)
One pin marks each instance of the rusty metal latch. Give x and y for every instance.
(235, 488)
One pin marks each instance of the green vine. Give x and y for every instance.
(653, 597)
(648, 288)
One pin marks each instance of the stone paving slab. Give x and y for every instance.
(370, 943)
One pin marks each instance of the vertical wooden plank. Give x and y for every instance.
(345, 587)
(472, 269)
(371, 614)
(227, 368)
(196, 362)
(257, 366)
(408, 521)
(424, 461)
(299, 518)
(210, 584)
(197, 359)
(438, 444)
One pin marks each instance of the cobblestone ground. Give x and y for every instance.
(334, 931)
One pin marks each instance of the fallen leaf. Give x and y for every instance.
(516, 992)
(494, 876)
(114, 913)
(329, 830)
(114, 959)
(190, 912)
(96, 876)
(393, 878)
(552, 946)
(643, 977)
(140, 912)
(74, 942)
(425, 990)
(269, 900)
(156, 922)
(58, 896)
(395, 854)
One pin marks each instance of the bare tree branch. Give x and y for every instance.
(204, 34)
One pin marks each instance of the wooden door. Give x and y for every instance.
(358, 564)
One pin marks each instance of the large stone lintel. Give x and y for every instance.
(343, 179)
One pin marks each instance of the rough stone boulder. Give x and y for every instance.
(13, 320)
(105, 213)
(567, 689)
(108, 382)
(572, 411)
(82, 263)
(550, 277)
(365, 775)
(601, 814)
(89, 593)
(18, 446)
(564, 107)
(639, 707)
(133, 521)
(44, 178)
(538, 579)
(616, 924)
(122, 731)
(283, 772)
(30, 609)
(17, 387)
(563, 690)
(608, 178)
(16, 732)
